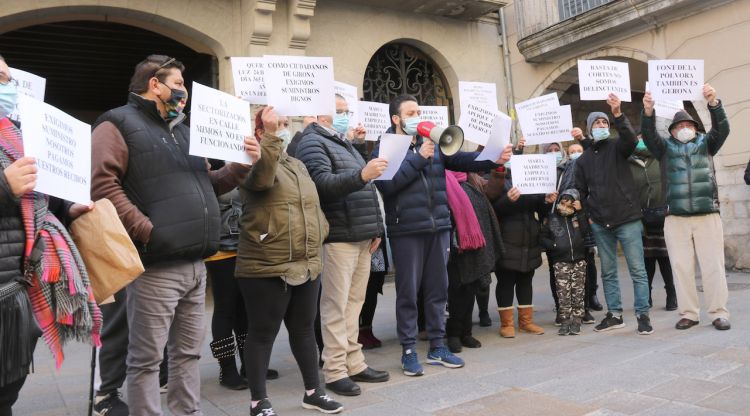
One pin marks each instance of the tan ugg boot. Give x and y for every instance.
(526, 320)
(506, 322)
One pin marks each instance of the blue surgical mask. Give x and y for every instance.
(8, 99)
(285, 136)
(507, 165)
(409, 125)
(574, 156)
(341, 123)
(641, 146)
(558, 157)
(599, 133)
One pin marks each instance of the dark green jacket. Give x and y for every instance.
(647, 178)
(690, 182)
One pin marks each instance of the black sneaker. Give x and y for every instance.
(588, 318)
(575, 328)
(610, 322)
(558, 319)
(644, 325)
(321, 402)
(110, 405)
(263, 408)
(564, 329)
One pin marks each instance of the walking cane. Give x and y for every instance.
(91, 384)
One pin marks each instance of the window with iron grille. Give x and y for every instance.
(570, 8)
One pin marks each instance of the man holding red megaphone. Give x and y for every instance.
(419, 222)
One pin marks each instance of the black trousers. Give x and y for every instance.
(229, 308)
(510, 283)
(114, 347)
(268, 302)
(9, 395)
(374, 287)
(666, 272)
(461, 307)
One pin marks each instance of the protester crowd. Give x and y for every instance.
(308, 230)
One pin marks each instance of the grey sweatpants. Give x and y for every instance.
(165, 306)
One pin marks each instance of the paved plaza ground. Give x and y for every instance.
(700, 371)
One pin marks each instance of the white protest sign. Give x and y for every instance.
(546, 125)
(666, 108)
(597, 79)
(61, 146)
(249, 81)
(676, 79)
(437, 114)
(375, 118)
(393, 148)
(480, 94)
(28, 84)
(300, 85)
(534, 174)
(499, 138)
(476, 122)
(219, 123)
(349, 92)
(544, 101)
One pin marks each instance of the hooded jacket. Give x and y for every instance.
(690, 181)
(415, 199)
(564, 237)
(603, 177)
(350, 205)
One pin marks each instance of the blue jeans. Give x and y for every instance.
(629, 236)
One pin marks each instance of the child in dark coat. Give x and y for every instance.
(563, 237)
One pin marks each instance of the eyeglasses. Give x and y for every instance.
(344, 113)
(169, 61)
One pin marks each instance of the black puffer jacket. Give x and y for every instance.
(350, 205)
(520, 229)
(415, 199)
(604, 180)
(564, 238)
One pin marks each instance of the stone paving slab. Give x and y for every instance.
(700, 371)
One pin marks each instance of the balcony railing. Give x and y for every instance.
(536, 15)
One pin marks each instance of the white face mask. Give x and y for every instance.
(685, 134)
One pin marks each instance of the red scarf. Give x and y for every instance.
(60, 292)
(470, 235)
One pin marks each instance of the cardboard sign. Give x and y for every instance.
(476, 122)
(480, 94)
(349, 92)
(437, 114)
(219, 123)
(28, 84)
(61, 145)
(534, 174)
(249, 79)
(393, 148)
(499, 138)
(676, 79)
(597, 79)
(375, 118)
(300, 85)
(546, 125)
(666, 109)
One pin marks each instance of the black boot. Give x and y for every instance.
(225, 350)
(594, 303)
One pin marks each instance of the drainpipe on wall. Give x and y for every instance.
(509, 95)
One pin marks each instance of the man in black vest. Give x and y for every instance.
(166, 200)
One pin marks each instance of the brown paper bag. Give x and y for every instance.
(111, 258)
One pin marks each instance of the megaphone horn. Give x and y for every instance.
(449, 139)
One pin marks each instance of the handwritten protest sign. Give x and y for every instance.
(666, 108)
(534, 174)
(219, 123)
(437, 114)
(28, 84)
(249, 79)
(544, 101)
(499, 138)
(300, 85)
(61, 146)
(598, 78)
(375, 118)
(676, 79)
(476, 122)
(393, 148)
(546, 125)
(480, 94)
(349, 92)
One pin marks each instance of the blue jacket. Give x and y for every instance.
(415, 199)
